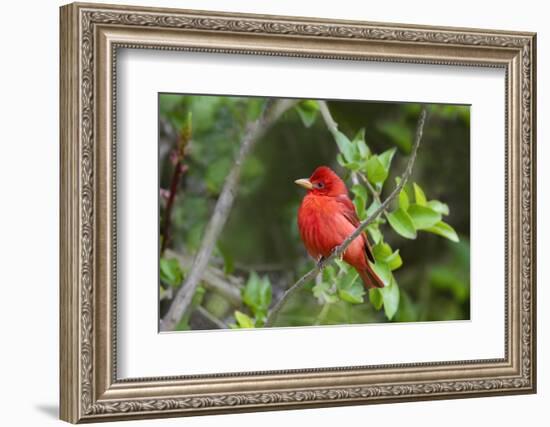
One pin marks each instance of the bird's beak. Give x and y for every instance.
(304, 182)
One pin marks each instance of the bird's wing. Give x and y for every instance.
(348, 210)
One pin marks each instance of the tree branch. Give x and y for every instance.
(271, 112)
(214, 279)
(339, 250)
(177, 157)
(205, 314)
(327, 116)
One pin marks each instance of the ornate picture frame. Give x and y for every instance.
(90, 37)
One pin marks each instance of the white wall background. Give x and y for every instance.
(29, 170)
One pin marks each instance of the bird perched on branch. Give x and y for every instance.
(327, 217)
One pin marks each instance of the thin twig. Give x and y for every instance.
(339, 250)
(271, 112)
(205, 314)
(327, 116)
(322, 314)
(179, 169)
(375, 194)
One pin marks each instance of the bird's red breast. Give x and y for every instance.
(327, 216)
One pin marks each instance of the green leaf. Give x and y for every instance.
(386, 158)
(383, 252)
(323, 292)
(445, 230)
(362, 148)
(403, 200)
(360, 199)
(423, 217)
(350, 289)
(343, 267)
(390, 295)
(243, 320)
(402, 223)
(376, 172)
(383, 271)
(341, 161)
(394, 261)
(352, 295)
(308, 111)
(375, 298)
(359, 136)
(171, 272)
(439, 207)
(362, 151)
(374, 232)
(344, 145)
(228, 260)
(329, 273)
(257, 294)
(419, 195)
(354, 166)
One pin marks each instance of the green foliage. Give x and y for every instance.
(445, 230)
(402, 223)
(360, 199)
(346, 147)
(243, 321)
(349, 288)
(390, 296)
(256, 296)
(324, 291)
(308, 111)
(383, 254)
(228, 259)
(423, 217)
(170, 272)
(414, 245)
(406, 219)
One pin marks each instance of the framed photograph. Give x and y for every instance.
(266, 212)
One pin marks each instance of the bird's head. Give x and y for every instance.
(323, 182)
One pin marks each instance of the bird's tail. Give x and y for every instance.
(370, 278)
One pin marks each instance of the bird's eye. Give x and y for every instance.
(319, 185)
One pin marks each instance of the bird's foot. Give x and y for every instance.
(335, 253)
(321, 262)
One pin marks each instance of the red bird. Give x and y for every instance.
(327, 217)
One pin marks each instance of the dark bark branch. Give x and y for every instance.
(179, 169)
(271, 112)
(339, 250)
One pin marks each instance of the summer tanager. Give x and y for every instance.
(327, 217)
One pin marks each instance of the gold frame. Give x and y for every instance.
(90, 36)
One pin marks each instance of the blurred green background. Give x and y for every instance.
(260, 240)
